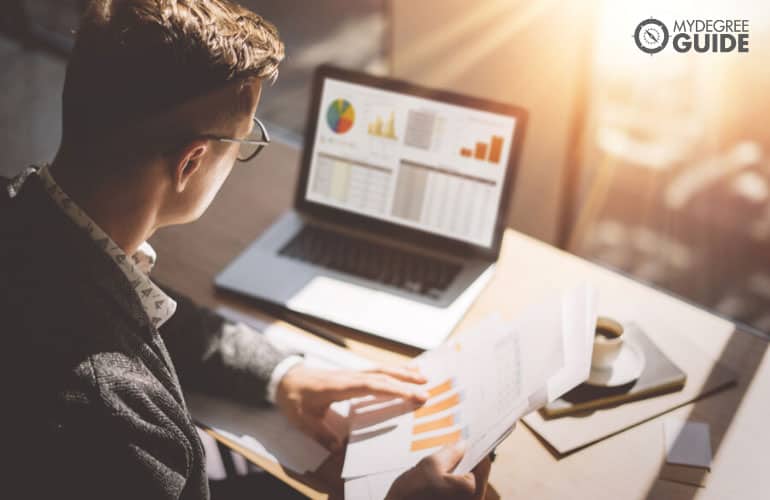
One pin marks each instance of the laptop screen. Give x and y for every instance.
(408, 160)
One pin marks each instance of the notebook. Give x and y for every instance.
(659, 376)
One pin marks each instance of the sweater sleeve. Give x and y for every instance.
(216, 356)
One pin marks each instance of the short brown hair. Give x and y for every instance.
(136, 58)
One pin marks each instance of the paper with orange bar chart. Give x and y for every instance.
(479, 386)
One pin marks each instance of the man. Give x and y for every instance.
(158, 104)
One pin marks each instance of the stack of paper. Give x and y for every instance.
(479, 386)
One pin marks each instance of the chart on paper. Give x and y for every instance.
(480, 385)
(411, 434)
(473, 386)
(439, 422)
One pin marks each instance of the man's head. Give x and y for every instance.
(151, 81)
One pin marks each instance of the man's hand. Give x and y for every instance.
(304, 394)
(431, 478)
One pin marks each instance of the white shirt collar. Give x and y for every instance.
(158, 306)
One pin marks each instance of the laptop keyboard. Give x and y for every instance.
(392, 266)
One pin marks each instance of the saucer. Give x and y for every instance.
(625, 369)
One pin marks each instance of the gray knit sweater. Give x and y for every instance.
(93, 403)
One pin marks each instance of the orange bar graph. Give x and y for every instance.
(481, 151)
(485, 151)
(432, 442)
(441, 388)
(495, 149)
(442, 405)
(434, 425)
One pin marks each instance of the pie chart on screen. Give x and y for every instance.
(340, 116)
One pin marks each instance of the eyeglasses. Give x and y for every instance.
(253, 144)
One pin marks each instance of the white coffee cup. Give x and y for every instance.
(608, 342)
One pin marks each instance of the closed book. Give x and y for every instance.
(659, 376)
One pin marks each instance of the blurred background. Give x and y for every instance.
(655, 166)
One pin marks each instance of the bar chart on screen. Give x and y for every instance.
(485, 151)
(383, 144)
(384, 128)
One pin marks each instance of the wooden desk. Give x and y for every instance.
(624, 466)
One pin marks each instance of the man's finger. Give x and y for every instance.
(324, 435)
(447, 458)
(464, 485)
(401, 373)
(379, 385)
(481, 473)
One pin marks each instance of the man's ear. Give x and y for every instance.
(187, 163)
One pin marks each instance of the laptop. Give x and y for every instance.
(399, 210)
